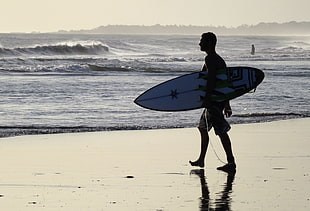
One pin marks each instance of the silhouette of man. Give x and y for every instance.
(213, 114)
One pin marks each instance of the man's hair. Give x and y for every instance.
(209, 36)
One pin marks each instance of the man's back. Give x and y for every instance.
(215, 61)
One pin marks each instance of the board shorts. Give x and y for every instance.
(214, 117)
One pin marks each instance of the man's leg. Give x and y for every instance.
(230, 166)
(227, 147)
(203, 148)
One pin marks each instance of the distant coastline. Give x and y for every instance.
(288, 28)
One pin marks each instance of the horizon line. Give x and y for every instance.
(160, 25)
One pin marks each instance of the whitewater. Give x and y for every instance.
(53, 83)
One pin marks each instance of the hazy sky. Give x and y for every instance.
(53, 15)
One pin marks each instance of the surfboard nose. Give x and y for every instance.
(260, 75)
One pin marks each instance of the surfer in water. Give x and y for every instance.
(253, 50)
(213, 114)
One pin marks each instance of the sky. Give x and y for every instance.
(54, 15)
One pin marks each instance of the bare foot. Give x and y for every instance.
(229, 168)
(199, 163)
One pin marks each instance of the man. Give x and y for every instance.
(213, 115)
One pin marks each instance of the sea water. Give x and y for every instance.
(48, 86)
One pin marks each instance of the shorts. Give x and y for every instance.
(214, 117)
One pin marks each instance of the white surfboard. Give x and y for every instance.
(187, 92)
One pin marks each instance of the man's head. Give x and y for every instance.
(208, 42)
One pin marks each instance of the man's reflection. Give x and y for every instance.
(223, 202)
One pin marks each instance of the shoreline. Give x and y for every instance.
(149, 170)
(13, 131)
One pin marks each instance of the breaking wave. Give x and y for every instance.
(57, 49)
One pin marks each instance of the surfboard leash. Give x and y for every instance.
(216, 153)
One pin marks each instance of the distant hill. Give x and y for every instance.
(289, 28)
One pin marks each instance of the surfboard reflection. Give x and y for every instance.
(223, 202)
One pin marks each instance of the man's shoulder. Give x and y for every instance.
(216, 60)
(212, 58)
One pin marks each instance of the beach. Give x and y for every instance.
(149, 170)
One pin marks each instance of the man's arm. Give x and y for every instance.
(211, 66)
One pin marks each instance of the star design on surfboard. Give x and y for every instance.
(174, 94)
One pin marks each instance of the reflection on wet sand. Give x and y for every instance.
(223, 202)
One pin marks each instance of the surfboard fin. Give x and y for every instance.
(253, 91)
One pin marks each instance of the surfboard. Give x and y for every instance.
(187, 92)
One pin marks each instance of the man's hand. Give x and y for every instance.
(227, 110)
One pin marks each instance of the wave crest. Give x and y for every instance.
(57, 49)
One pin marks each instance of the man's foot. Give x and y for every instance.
(229, 168)
(199, 163)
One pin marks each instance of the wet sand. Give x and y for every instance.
(149, 170)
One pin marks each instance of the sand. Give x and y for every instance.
(149, 170)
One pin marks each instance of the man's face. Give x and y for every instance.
(204, 44)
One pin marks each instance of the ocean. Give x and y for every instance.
(57, 83)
